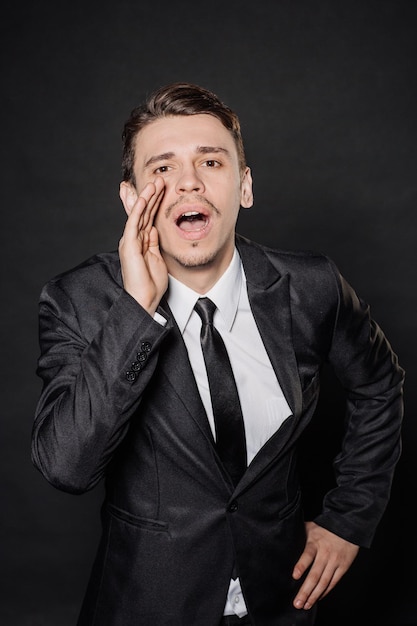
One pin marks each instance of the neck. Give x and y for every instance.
(199, 278)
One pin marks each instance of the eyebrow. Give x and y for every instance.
(212, 150)
(200, 150)
(159, 157)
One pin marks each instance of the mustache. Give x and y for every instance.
(184, 200)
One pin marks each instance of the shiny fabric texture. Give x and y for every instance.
(120, 403)
(227, 412)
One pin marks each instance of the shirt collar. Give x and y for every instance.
(225, 295)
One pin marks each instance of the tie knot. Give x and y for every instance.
(205, 308)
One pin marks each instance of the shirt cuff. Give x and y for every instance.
(159, 318)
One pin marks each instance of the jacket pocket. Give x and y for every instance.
(141, 522)
(292, 506)
(311, 392)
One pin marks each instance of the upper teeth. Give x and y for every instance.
(190, 213)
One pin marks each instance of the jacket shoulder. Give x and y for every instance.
(85, 292)
(302, 264)
(89, 276)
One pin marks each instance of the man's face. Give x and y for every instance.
(197, 158)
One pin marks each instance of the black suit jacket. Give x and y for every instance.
(120, 402)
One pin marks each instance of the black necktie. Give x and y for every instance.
(230, 430)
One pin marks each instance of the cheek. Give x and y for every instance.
(158, 220)
(161, 222)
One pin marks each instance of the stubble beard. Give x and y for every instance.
(193, 261)
(200, 259)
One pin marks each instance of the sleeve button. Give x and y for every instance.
(145, 346)
(130, 376)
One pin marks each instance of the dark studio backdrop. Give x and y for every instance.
(326, 93)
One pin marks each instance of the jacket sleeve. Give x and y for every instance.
(368, 370)
(96, 360)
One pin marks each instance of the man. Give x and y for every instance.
(127, 395)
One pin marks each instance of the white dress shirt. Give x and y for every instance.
(264, 406)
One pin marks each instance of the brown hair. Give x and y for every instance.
(177, 99)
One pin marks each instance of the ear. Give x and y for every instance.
(128, 195)
(246, 190)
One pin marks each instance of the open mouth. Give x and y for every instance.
(192, 221)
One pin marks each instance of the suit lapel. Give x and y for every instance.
(269, 297)
(175, 364)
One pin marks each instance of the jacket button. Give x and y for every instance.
(131, 376)
(141, 356)
(145, 346)
(232, 508)
(136, 366)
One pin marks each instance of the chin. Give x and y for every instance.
(195, 259)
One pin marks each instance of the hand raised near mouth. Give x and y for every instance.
(144, 273)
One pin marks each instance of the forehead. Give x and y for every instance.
(181, 134)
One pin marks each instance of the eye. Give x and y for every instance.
(211, 163)
(162, 169)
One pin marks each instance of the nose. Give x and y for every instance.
(189, 181)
